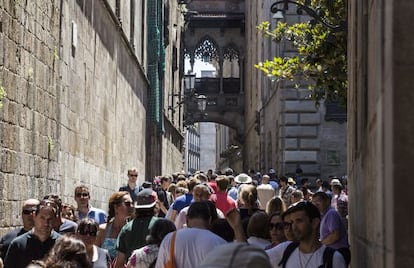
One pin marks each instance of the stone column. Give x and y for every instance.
(380, 133)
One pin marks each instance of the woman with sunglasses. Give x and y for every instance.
(276, 230)
(86, 232)
(120, 210)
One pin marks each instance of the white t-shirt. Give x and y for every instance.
(299, 259)
(265, 192)
(181, 219)
(191, 247)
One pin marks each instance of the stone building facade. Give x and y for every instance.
(283, 128)
(380, 130)
(77, 99)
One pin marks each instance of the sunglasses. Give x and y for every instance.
(278, 225)
(133, 175)
(28, 211)
(88, 232)
(82, 194)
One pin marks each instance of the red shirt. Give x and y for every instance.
(223, 202)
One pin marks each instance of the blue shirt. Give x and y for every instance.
(94, 213)
(182, 202)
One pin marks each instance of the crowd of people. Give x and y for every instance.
(212, 219)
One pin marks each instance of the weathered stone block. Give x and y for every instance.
(13, 113)
(291, 144)
(310, 118)
(313, 169)
(300, 131)
(289, 94)
(23, 160)
(300, 106)
(8, 161)
(291, 118)
(9, 140)
(309, 144)
(1, 49)
(301, 156)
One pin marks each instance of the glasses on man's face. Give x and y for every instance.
(82, 195)
(88, 232)
(278, 225)
(28, 211)
(133, 175)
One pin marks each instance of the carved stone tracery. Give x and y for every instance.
(207, 50)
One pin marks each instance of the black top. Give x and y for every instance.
(162, 196)
(132, 192)
(26, 248)
(6, 240)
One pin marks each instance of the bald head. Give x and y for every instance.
(31, 202)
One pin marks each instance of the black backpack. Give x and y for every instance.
(327, 255)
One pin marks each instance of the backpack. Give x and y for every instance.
(327, 255)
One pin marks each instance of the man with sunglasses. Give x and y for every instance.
(34, 244)
(85, 210)
(29, 206)
(307, 250)
(132, 187)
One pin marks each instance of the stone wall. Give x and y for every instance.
(73, 114)
(380, 130)
(293, 133)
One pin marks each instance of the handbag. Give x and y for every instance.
(171, 262)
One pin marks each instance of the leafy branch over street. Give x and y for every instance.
(321, 57)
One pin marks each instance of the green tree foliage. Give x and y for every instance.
(2, 95)
(321, 57)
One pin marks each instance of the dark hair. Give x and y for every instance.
(310, 209)
(258, 225)
(47, 203)
(55, 198)
(68, 252)
(222, 228)
(199, 210)
(321, 195)
(284, 179)
(325, 184)
(80, 188)
(222, 182)
(165, 178)
(87, 222)
(228, 171)
(159, 230)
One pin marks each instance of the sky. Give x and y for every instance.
(198, 67)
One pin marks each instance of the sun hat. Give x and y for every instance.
(336, 182)
(291, 180)
(243, 178)
(145, 199)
